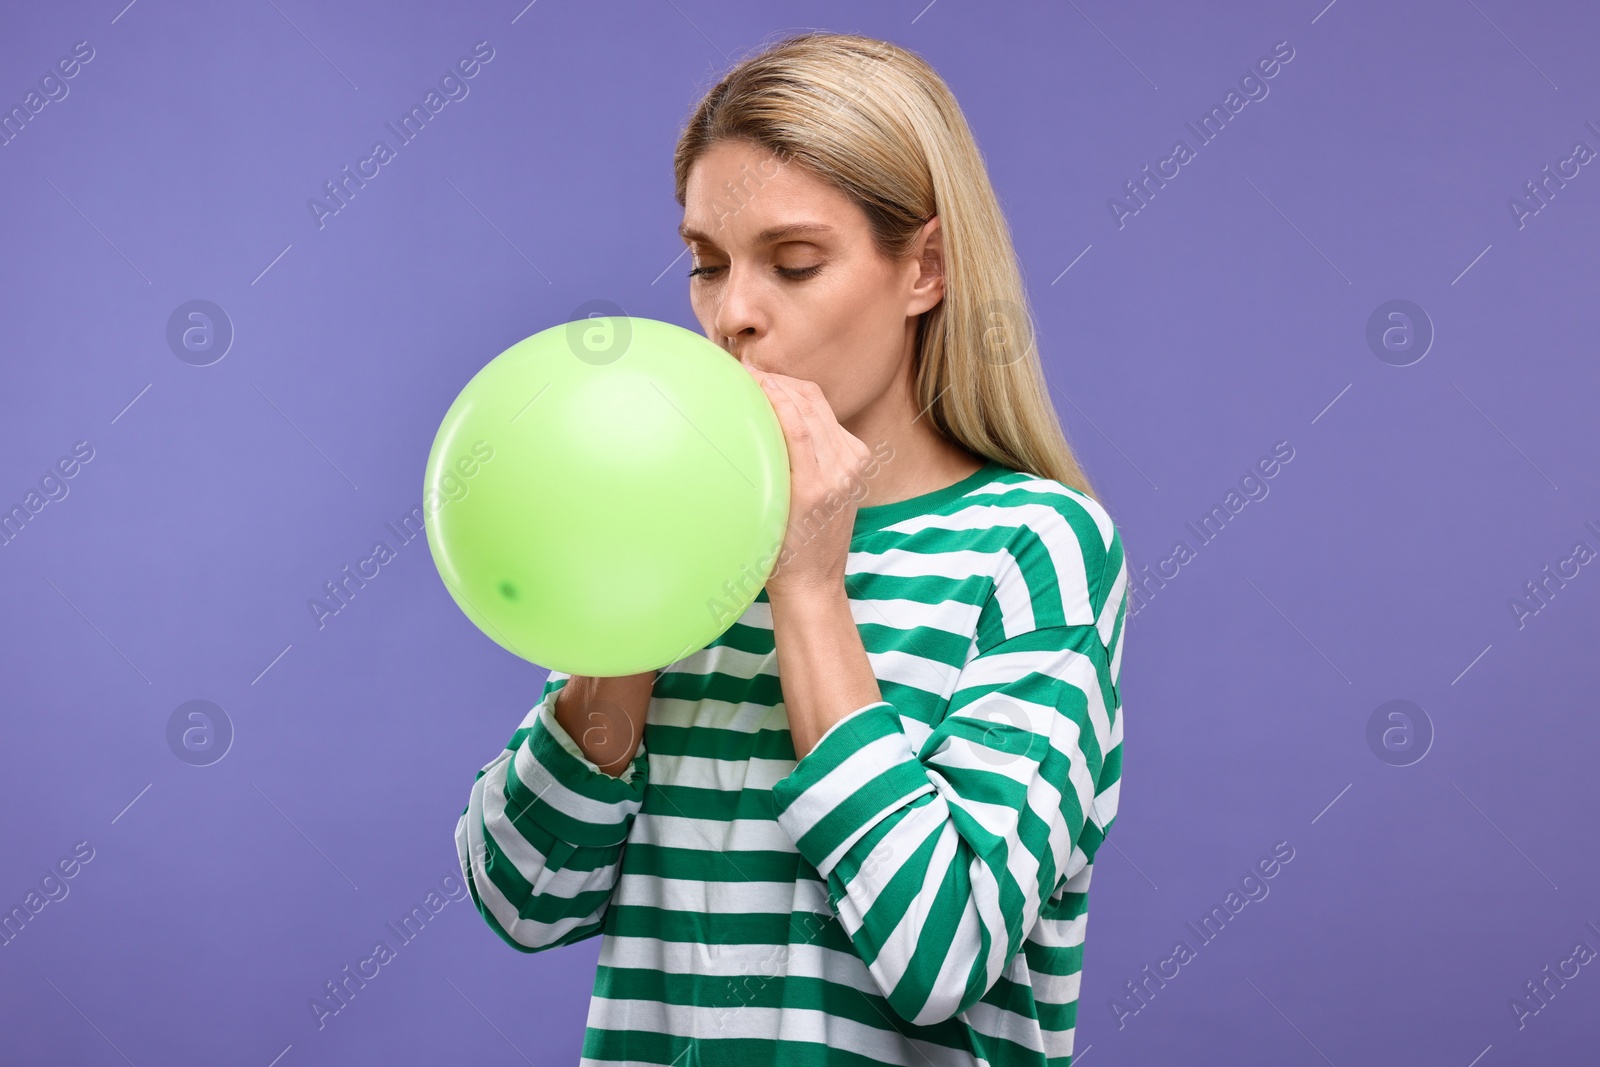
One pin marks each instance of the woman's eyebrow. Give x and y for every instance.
(771, 235)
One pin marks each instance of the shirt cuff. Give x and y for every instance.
(555, 785)
(860, 770)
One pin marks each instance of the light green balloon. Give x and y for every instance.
(608, 495)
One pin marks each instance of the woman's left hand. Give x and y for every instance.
(826, 464)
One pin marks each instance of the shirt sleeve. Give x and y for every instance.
(937, 857)
(540, 841)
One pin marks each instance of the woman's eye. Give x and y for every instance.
(792, 273)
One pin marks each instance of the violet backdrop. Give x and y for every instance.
(1421, 545)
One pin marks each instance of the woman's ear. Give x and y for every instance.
(927, 289)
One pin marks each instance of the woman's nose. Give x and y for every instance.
(737, 312)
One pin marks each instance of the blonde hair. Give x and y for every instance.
(879, 124)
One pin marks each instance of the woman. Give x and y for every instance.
(881, 852)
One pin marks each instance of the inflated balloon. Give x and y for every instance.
(608, 495)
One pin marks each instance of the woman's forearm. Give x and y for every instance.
(606, 716)
(822, 665)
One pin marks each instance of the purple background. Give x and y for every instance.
(1229, 314)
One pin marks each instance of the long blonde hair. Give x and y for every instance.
(878, 123)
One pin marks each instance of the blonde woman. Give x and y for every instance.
(859, 826)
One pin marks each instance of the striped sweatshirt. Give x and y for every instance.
(914, 890)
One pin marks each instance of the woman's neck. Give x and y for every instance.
(909, 455)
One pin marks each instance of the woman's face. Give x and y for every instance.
(819, 304)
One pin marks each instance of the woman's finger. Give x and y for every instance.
(797, 435)
(835, 445)
(822, 428)
(813, 427)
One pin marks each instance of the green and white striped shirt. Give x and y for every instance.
(914, 891)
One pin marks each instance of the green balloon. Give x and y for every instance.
(608, 495)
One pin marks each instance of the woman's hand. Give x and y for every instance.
(825, 485)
